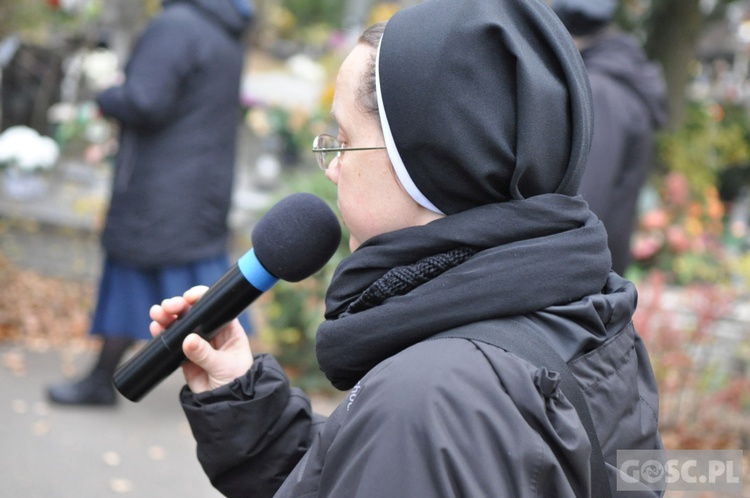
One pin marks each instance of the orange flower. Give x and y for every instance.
(715, 207)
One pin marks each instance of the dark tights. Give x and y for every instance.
(110, 355)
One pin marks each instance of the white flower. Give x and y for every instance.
(101, 69)
(23, 148)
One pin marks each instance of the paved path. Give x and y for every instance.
(140, 449)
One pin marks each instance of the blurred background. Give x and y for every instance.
(691, 248)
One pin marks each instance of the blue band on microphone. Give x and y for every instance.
(254, 272)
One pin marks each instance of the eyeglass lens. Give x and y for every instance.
(326, 142)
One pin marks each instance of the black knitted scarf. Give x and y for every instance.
(492, 261)
(403, 279)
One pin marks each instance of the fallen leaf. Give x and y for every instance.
(157, 453)
(111, 458)
(121, 485)
(40, 428)
(39, 312)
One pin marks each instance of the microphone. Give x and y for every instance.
(292, 241)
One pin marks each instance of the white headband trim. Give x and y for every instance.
(395, 157)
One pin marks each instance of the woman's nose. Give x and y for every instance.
(332, 171)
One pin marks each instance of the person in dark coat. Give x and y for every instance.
(630, 104)
(166, 226)
(463, 131)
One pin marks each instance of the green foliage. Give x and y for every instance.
(712, 139)
(32, 18)
(21, 16)
(312, 12)
(291, 315)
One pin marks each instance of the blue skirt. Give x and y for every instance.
(126, 294)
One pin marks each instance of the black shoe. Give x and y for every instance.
(93, 390)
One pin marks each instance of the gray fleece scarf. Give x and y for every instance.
(488, 262)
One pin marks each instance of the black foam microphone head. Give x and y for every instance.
(296, 237)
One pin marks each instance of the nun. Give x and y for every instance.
(462, 133)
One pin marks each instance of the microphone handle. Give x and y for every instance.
(161, 356)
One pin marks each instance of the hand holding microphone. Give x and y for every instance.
(291, 242)
(211, 364)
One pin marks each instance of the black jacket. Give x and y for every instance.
(447, 417)
(419, 425)
(178, 110)
(630, 101)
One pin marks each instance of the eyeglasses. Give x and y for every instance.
(327, 148)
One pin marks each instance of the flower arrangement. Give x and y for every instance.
(25, 158)
(25, 150)
(681, 235)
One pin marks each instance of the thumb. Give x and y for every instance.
(199, 351)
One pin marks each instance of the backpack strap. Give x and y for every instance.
(523, 341)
